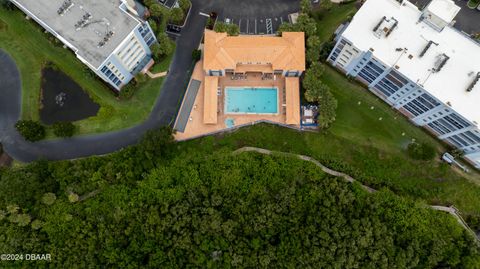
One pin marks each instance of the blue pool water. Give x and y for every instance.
(229, 123)
(251, 100)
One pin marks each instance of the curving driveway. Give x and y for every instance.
(163, 113)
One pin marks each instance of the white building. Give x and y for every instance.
(419, 64)
(105, 35)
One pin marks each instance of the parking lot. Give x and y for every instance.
(254, 17)
(256, 26)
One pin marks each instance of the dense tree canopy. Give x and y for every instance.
(184, 4)
(318, 92)
(176, 15)
(157, 205)
(163, 48)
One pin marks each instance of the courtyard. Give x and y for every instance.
(195, 125)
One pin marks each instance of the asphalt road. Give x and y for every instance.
(164, 111)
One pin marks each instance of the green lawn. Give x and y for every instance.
(26, 42)
(328, 21)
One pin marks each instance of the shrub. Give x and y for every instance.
(30, 130)
(230, 29)
(73, 197)
(318, 92)
(156, 10)
(305, 6)
(326, 49)
(177, 15)
(163, 48)
(473, 3)
(184, 4)
(36, 224)
(420, 151)
(6, 4)
(63, 129)
(196, 55)
(49, 198)
(153, 25)
(127, 91)
(140, 78)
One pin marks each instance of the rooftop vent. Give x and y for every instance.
(474, 82)
(378, 24)
(385, 27)
(67, 4)
(83, 21)
(105, 39)
(440, 62)
(427, 47)
(390, 30)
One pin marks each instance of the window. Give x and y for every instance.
(439, 129)
(472, 136)
(292, 74)
(370, 72)
(215, 73)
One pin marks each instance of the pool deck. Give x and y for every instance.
(195, 126)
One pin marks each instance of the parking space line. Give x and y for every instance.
(204, 14)
(255, 26)
(247, 25)
(268, 23)
(281, 19)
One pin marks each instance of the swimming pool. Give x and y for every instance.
(229, 123)
(248, 100)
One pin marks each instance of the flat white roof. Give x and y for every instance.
(449, 85)
(105, 16)
(445, 9)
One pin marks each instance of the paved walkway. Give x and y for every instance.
(451, 210)
(157, 75)
(163, 113)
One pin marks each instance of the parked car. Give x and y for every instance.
(448, 158)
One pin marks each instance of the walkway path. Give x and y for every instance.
(157, 75)
(163, 113)
(451, 210)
